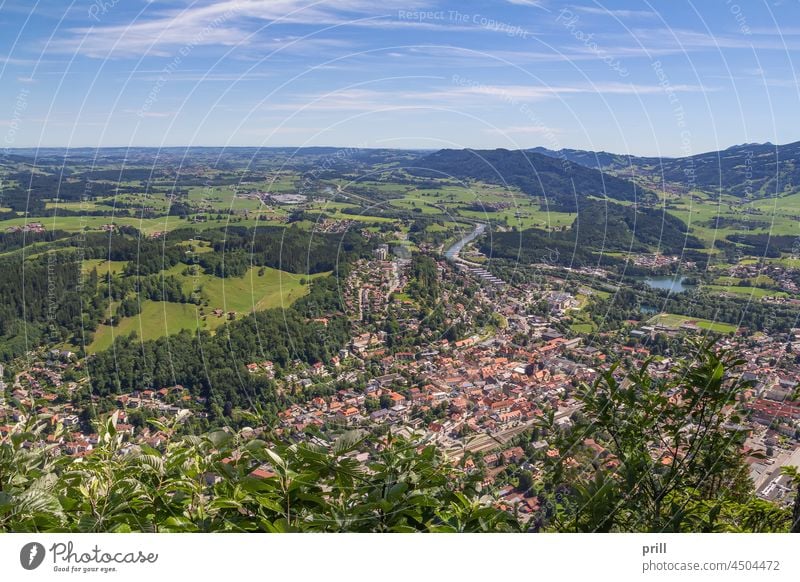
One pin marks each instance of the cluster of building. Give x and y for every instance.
(330, 225)
(35, 227)
(779, 277)
(655, 261)
(43, 391)
(371, 283)
(472, 395)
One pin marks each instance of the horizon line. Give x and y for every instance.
(9, 150)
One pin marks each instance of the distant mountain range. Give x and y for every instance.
(749, 170)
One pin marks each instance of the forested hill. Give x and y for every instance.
(604, 161)
(746, 170)
(561, 182)
(599, 229)
(757, 170)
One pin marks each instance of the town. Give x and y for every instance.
(481, 395)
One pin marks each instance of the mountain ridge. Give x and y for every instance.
(749, 170)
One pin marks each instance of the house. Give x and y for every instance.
(349, 415)
(77, 447)
(262, 473)
(491, 460)
(560, 302)
(318, 369)
(399, 412)
(397, 399)
(380, 416)
(514, 455)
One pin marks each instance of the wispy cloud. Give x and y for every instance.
(216, 23)
(150, 114)
(614, 13)
(458, 97)
(535, 93)
(536, 3)
(689, 40)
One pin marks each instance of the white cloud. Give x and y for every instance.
(217, 23)
(150, 114)
(534, 93)
(689, 40)
(615, 13)
(455, 97)
(535, 3)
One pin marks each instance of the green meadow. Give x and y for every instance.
(246, 294)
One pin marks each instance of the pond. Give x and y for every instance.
(667, 283)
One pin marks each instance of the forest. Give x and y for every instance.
(599, 227)
(41, 301)
(213, 366)
(291, 249)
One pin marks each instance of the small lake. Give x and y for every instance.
(667, 283)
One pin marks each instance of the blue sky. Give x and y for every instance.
(667, 78)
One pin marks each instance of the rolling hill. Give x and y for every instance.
(561, 184)
(748, 170)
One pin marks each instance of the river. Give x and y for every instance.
(453, 251)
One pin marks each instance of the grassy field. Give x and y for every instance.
(788, 262)
(252, 292)
(673, 320)
(780, 215)
(103, 267)
(79, 223)
(158, 318)
(582, 328)
(155, 200)
(246, 294)
(453, 201)
(783, 204)
(752, 292)
(85, 206)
